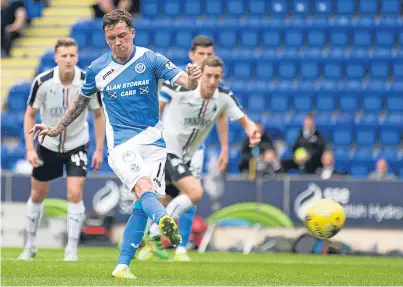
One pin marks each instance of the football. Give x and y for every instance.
(324, 218)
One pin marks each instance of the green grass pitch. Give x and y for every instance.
(210, 269)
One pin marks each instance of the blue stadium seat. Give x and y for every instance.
(291, 135)
(172, 8)
(349, 102)
(355, 70)
(214, 7)
(162, 38)
(345, 7)
(11, 124)
(390, 7)
(234, 157)
(341, 155)
(301, 7)
(18, 97)
(316, 38)
(342, 136)
(294, 120)
(323, 7)
(98, 39)
(365, 121)
(394, 103)
(326, 103)
(275, 124)
(397, 70)
(287, 70)
(278, 7)
(362, 38)
(150, 8)
(143, 38)
(235, 7)
(302, 102)
(294, 38)
(368, 7)
(227, 38)
(264, 70)
(379, 70)
(372, 103)
(193, 8)
(242, 70)
(287, 154)
(363, 156)
(389, 137)
(271, 38)
(358, 170)
(393, 121)
(365, 136)
(384, 38)
(324, 123)
(235, 133)
(309, 70)
(183, 39)
(257, 7)
(80, 32)
(257, 103)
(250, 38)
(332, 70)
(339, 38)
(279, 103)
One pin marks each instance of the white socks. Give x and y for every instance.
(178, 205)
(32, 219)
(174, 209)
(181, 250)
(75, 219)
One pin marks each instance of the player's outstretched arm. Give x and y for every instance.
(75, 109)
(222, 128)
(190, 80)
(99, 128)
(251, 130)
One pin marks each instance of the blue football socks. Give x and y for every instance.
(133, 234)
(185, 225)
(152, 207)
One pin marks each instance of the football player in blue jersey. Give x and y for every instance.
(127, 77)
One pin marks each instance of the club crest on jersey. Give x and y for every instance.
(169, 65)
(144, 90)
(140, 68)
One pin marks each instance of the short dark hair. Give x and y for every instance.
(212, 61)
(65, 42)
(201, 41)
(117, 16)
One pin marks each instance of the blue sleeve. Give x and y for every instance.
(164, 97)
(89, 88)
(165, 69)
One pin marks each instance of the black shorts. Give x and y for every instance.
(76, 162)
(175, 169)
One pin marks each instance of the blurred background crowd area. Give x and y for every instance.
(322, 77)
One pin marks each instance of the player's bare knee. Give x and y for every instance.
(195, 193)
(74, 196)
(144, 184)
(37, 196)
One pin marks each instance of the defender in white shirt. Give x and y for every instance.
(187, 123)
(51, 94)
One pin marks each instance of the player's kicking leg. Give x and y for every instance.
(189, 186)
(141, 169)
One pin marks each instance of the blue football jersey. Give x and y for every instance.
(130, 94)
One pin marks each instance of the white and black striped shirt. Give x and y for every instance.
(190, 118)
(52, 98)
